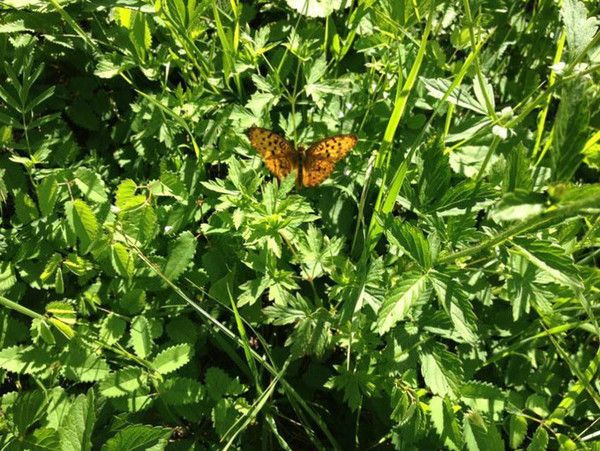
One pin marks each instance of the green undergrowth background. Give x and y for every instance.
(158, 289)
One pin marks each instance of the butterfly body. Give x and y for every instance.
(313, 164)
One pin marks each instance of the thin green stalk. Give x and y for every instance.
(388, 138)
(488, 102)
(544, 113)
(400, 174)
(546, 218)
(20, 308)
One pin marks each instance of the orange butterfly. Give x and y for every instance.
(314, 164)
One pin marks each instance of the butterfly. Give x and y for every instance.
(313, 165)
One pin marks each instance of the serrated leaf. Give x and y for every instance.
(83, 222)
(138, 437)
(76, 428)
(580, 29)
(91, 185)
(25, 208)
(355, 384)
(27, 409)
(442, 370)
(539, 442)
(411, 240)
(126, 199)
(398, 302)
(122, 260)
(457, 305)
(180, 256)
(141, 336)
(181, 390)
(517, 430)
(51, 266)
(83, 365)
(47, 195)
(59, 283)
(112, 329)
(122, 383)
(219, 383)
(481, 435)
(140, 223)
(7, 276)
(24, 359)
(445, 423)
(172, 358)
(63, 311)
(551, 259)
(484, 397)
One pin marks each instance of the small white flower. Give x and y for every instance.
(168, 228)
(500, 132)
(506, 112)
(114, 209)
(559, 67)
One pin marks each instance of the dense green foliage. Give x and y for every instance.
(159, 289)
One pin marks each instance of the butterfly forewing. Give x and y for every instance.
(320, 158)
(276, 151)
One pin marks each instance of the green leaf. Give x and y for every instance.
(457, 305)
(59, 284)
(141, 336)
(62, 311)
(76, 428)
(138, 437)
(180, 256)
(517, 430)
(7, 276)
(122, 383)
(445, 423)
(83, 222)
(181, 390)
(219, 383)
(140, 223)
(442, 370)
(224, 416)
(398, 302)
(43, 439)
(122, 260)
(316, 252)
(91, 185)
(112, 329)
(82, 364)
(25, 208)
(27, 410)
(410, 240)
(126, 199)
(172, 358)
(578, 27)
(24, 359)
(47, 194)
(51, 267)
(355, 384)
(570, 132)
(539, 442)
(312, 335)
(551, 259)
(484, 397)
(480, 435)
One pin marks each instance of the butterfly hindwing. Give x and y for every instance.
(320, 158)
(276, 151)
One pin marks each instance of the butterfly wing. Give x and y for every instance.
(320, 158)
(276, 151)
